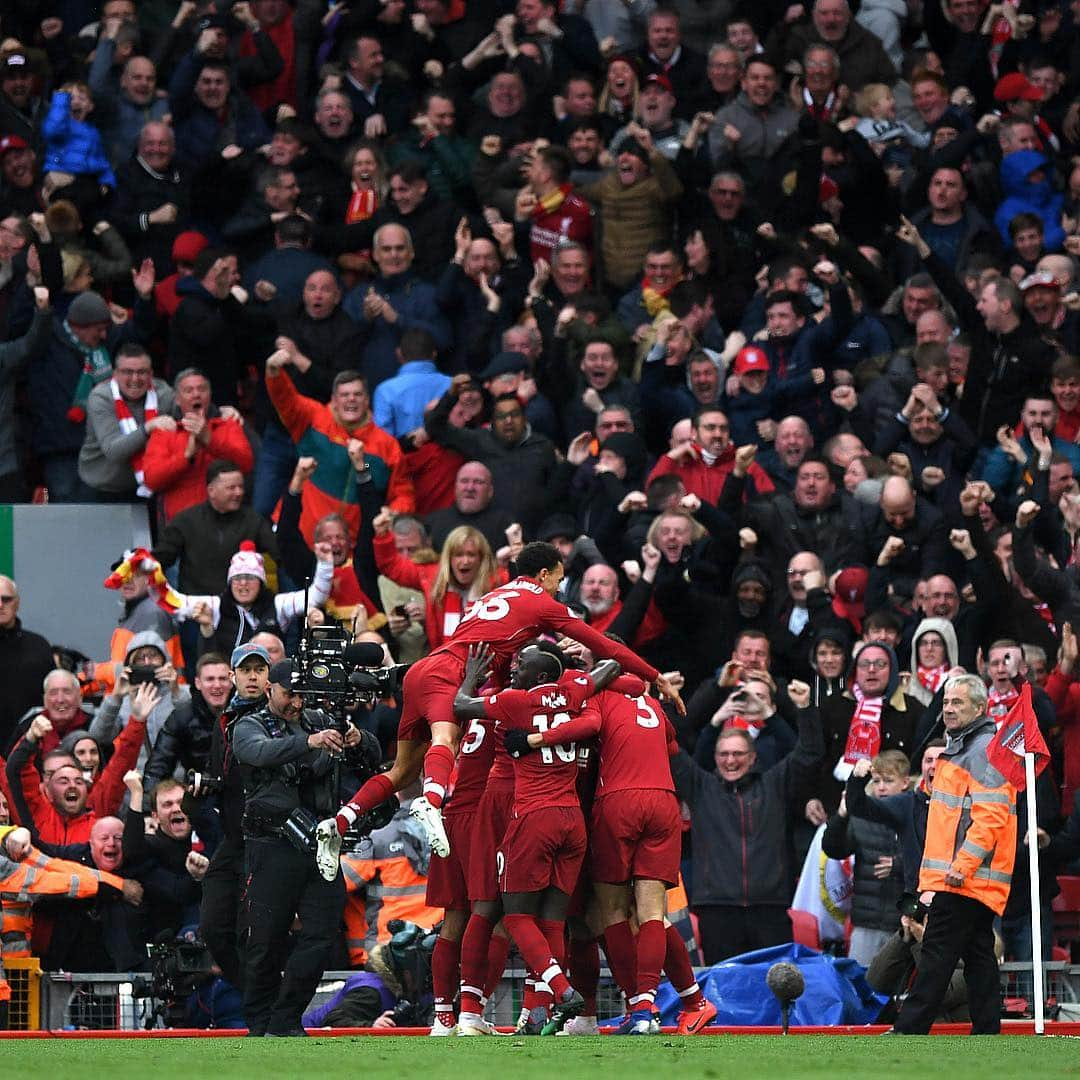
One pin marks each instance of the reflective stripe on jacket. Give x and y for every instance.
(971, 827)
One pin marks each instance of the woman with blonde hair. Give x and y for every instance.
(465, 571)
(619, 98)
(368, 183)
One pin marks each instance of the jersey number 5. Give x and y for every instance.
(646, 714)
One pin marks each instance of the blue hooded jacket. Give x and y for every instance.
(1021, 195)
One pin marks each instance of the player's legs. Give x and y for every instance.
(583, 959)
(476, 947)
(437, 767)
(445, 966)
(614, 909)
(651, 944)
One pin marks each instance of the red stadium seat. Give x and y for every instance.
(804, 929)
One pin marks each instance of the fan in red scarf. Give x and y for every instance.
(1007, 670)
(875, 679)
(932, 660)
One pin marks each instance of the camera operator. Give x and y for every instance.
(287, 769)
(224, 880)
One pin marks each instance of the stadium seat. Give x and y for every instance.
(804, 929)
(1066, 907)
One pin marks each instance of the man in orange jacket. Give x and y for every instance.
(347, 445)
(967, 864)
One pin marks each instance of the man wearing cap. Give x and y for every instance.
(1058, 324)
(1018, 94)
(21, 110)
(656, 105)
(19, 180)
(153, 199)
(286, 767)
(223, 884)
(512, 371)
(474, 493)
(121, 415)
(78, 360)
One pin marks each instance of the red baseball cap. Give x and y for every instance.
(1016, 87)
(849, 600)
(12, 142)
(656, 79)
(751, 358)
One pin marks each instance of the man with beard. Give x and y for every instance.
(705, 464)
(170, 871)
(21, 110)
(19, 188)
(186, 735)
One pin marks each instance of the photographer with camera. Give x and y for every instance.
(146, 661)
(290, 782)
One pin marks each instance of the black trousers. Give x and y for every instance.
(283, 883)
(727, 930)
(958, 928)
(222, 889)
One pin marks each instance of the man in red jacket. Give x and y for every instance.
(175, 462)
(704, 463)
(59, 805)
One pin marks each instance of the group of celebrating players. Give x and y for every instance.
(513, 858)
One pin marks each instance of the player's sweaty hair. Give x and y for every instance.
(537, 556)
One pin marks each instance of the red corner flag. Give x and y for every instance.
(1019, 733)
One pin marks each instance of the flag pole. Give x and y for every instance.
(1036, 906)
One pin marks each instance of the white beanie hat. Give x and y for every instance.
(247, 561)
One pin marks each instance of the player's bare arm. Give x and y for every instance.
(467, 706)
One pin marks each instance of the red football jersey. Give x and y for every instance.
(548, 778)
(474, 763)
(513, 614)
(636, 741)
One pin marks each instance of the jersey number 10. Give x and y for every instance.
(567, 753)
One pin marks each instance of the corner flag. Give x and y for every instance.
(1019, 734)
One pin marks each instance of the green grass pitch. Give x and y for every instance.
(824, 1057)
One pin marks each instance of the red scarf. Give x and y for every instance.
(824, 111)
(362, 204)
(128, 424)
(998, 703)
(864, 732)
(931, 678)
(1047, 616)
(747, 724)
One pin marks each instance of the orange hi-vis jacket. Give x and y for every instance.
(971, 827)
(39, 875)
(385, 878)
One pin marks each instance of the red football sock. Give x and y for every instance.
(438, 765)
(445, 973)
(585, 971)
(498, 951)
(651, 946)
(474, 963)
(376, 790)
(537, 953)
(621, 952)
(555, 933)
(680, 971)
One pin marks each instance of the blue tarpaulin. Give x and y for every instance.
(836, 990)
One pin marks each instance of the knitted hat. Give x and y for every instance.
(631, 449)
(87, 309)
(187, 246)
(247, 561)
(630, 145)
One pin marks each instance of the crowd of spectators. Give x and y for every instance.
(765, 314)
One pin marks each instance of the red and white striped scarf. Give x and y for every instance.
(931, 678)
(1047, 616)
(128, 425)
(754, 726)
(864, 731)
(1000, 702)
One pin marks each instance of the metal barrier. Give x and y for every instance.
(103, 1001)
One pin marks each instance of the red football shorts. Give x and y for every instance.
(489, 825)
(427, 695)
(447, 885)
(636, 834)
(545, 847)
